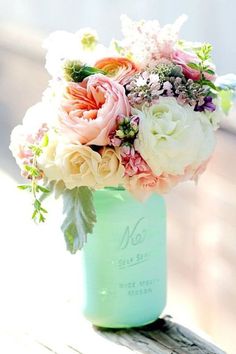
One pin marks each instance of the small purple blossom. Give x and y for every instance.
(168, 80)
(144, 87)
(208, 105)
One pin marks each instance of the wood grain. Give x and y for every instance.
(163, 336)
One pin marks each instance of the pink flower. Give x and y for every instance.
(142, 185)
(35, 125)
(90, 109)
(132, 161)
(183, 58)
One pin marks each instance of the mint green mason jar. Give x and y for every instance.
(124, 261)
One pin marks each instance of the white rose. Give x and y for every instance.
(172, 137)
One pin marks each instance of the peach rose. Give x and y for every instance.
(183, 58)
(90, 109)
(142, 185)
(119, 69)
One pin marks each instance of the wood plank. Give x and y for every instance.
(163, 336)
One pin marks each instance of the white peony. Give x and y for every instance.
(172, 137)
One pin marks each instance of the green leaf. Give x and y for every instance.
(80, 217)
(45, 140)
(226, 97)
(43, 210)
(36, 150)
(25, 186)
(209, 71)
(194, 66)
(33, 171)
(41, 218)
(43, 189)
(86, 71)
(34, 214)
(200, 56)
(37, 204)
(210, 84)
(75, 71)
(204, 52)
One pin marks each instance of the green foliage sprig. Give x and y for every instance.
(77, 72)
(80, 217)
(204, 55)
(34, 174)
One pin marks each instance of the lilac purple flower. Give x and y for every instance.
(208, 105)
(165, 79)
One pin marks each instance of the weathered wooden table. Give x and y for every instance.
(162, 337)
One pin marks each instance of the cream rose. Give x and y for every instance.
(78, 165)
(172, 137)
(110, 169)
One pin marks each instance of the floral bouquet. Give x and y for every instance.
(140, 114)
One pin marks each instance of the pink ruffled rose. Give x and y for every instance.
(90, 109)
(183, 58)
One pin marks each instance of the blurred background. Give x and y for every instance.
(37, 275)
